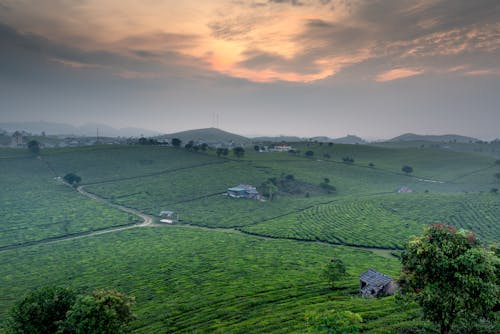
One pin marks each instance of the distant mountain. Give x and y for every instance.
(278, 139)
(349, 139)
(434, 138)
(210, 136)
(89, 129)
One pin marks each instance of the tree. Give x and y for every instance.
(407, 169)
(72, 179)
(239, 151)
(256, 148)
(450, 276)
(189, 146)
(103, 312)
(497, 175)
(309, 154)
(333, 271)
(176, 142)
(34, 146)
(41, 311)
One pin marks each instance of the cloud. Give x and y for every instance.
(398, 73)
(291, 2)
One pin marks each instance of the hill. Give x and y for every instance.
(89, 129)
(434, 138)
(349, 139)
(278, 139)
(211, 136)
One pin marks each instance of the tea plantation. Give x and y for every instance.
(232, 265)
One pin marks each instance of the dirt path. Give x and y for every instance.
(147, 219)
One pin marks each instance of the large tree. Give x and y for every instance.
(41, 311)
(103, 312)
(450, 276)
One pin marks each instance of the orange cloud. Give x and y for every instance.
(398, 73)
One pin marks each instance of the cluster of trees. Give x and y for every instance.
(148, 141)
(348, 159)
(63, 311)
(191, 146)
(222, 151)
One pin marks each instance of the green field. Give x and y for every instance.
(195, 281)
(232, 265)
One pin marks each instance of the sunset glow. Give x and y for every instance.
(168, 50)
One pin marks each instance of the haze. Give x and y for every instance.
(296, 67)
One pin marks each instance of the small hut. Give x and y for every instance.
(167, 217)
(375, 284)
(243, 191)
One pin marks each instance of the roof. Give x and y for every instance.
(242, 187)
(373, 277)
(166, 213)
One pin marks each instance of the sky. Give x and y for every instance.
(374, 68)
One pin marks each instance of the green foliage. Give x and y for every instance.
(239, 151)
(334, 270)
(407, 169)
(450, 276)
(221, 151)
(72, 179)
(348, 159)
(41, 311)
(333, 322)
(176, 142)
(102, 312)
(309, 154)
(34, 146)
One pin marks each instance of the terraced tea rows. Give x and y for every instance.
(386, 221)
(155, 193)
(35, 206)
(361, 223)
(105, 163)
(188, 280)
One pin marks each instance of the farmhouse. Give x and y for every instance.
(167, 217)
(281, 148)
(243, 191)
(405, 190)
(375, 284)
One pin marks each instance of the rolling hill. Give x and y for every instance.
(211, 136)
